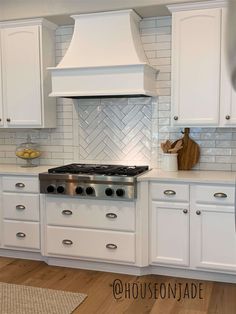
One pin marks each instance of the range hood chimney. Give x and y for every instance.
(105, 58)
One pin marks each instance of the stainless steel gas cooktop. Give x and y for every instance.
(92, 181)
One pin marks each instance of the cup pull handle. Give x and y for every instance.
(111, 215)
(67, 212)
(21, 235)
(19, 185)
(220, 195)
(111, 246)
(67, 242)
(20, 207)
(169, 192)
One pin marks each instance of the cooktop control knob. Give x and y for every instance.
(109, 192)
(120, 192)
(79, 190)
(60, 189)
(89, 190)
(51, 188)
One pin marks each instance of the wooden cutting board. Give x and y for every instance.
(189, 155)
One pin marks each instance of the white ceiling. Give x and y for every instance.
(60, 10)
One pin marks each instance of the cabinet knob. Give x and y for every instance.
(198, 212)
(185, 211)
(0, 119)
(220, 195)
(111, 246)
(227, 117)
(8, 120)
(176, 118)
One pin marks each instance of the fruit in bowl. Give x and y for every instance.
(28, 151)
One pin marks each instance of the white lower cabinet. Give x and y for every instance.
(170, 234)
(88, 229)
(198, 235)
(20, 213)
(213, 233)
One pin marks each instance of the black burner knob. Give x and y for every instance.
(50, 188)
(79, 190)
(60, 189)
(120, 192)
(89, 190)
(109, 192)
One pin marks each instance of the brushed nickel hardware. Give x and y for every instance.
(111, 246)
(67, 212)
(21, 235)
(198, 212)
(185, 211)
(20, 207)
(176, 118)
(8, 120)
(169, 192)
(67, 242)
(220, 195)
(19, 185)
(227, 117)
(111, 215)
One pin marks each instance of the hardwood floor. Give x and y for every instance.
(147, 294)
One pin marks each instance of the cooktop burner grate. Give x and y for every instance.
(94, 169)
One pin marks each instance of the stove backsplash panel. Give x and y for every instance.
(121, 130)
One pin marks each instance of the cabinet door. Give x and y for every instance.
(1, 102)
(21, 76)
(196, 41)
(170, 234)
(228, 94)
(213, 239)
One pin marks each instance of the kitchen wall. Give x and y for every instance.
(126, 130)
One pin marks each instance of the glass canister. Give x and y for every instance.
(28, 151)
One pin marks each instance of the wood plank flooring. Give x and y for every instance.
(145, 294)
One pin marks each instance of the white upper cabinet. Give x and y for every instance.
(201, 89)
(27, 49)
(228, 94)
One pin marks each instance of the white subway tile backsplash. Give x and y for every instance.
(122, 130)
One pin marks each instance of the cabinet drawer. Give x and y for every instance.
(95, 244)
(91, 214)
(20, 184)
(21, 234)
(170, 192)
(20, 206)
(213, 194)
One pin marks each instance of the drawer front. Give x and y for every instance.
(170, 192)
(21, 234)
(20, 206)
(212, 194)
(95, 244)
(91, 214)
(20, 184)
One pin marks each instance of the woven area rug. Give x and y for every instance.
(19, 299)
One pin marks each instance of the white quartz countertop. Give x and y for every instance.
(17, 169)
(190, 176)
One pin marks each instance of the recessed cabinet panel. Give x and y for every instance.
(196, 67)
(21, 69)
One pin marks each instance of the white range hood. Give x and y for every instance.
(105, 58)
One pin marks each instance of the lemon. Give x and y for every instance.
(26, 155)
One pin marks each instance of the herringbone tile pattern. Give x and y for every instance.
(115, 133)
